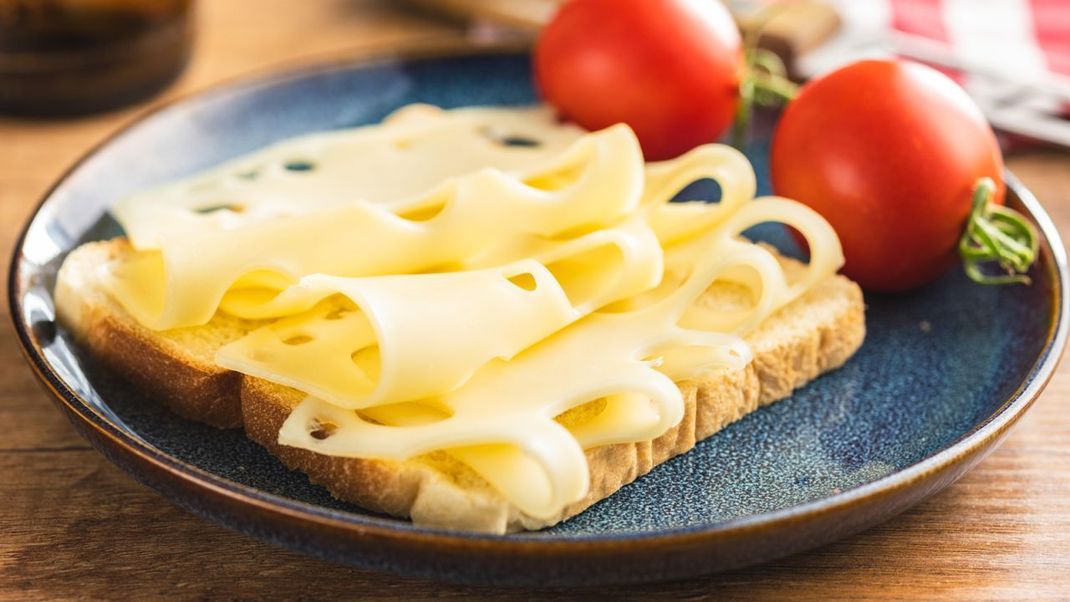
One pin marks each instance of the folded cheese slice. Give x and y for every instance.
(457, 280)
(409, 154)
(484, 219)
(675, 222)
(478, 219)
(404, 337)
(501, 422)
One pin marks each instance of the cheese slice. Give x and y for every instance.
(482, 219)
(411, 153)
(458, 280)
(675, 222)
(466, 221)
(403, 337)
(623, 357)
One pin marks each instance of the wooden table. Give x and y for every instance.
(73, 526)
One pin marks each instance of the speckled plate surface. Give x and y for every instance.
(941, 378)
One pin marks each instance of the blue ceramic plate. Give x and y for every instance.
(941, 378)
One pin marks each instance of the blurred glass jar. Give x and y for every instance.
(69, 57)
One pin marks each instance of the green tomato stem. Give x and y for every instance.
(744, 111)
(764, 83)
(773, 90)
(997, 235)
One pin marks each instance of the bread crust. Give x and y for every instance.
(202, 393)
(419, 490)
(810, 336)
(192, 387)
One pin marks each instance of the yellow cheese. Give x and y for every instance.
(674, 222)
(481, 219)
(435, 289)
(626, 357)
(404, 337)
(473, 220)
(414, 152)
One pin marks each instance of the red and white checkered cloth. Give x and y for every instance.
(1025, 36)
(1022, 42)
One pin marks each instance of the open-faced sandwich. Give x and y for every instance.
(481, 319)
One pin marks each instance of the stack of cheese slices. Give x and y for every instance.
(482, 319)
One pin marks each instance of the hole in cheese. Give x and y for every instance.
(788, 241)
(703, 189)
(514, 139)
(520, 140)
(299, 339)
(553, 181)
(525, 281)
(232, 207)
(367, 361)
(430, 207)
(582, 413)
(337, 313)
(299, 165)
(321, 429)
(422, 214)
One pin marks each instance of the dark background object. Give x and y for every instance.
(70, 57)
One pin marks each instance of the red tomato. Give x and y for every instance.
(888, 152)
(670, 69)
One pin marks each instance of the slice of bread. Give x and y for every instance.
(816, 333)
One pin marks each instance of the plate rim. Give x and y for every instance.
(977, 438)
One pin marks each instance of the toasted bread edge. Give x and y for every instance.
(791, 348)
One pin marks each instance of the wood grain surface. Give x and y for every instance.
(74, 527)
